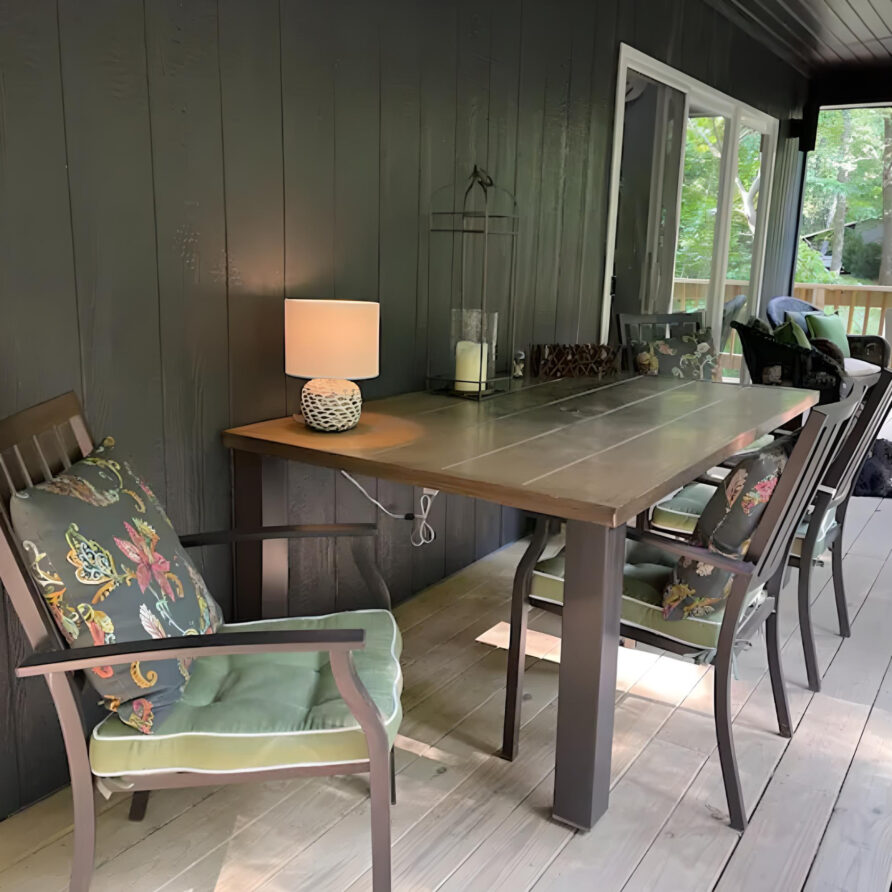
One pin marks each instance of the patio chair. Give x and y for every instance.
(274, 699)
(632, 328)
(651, 560)
(787, 365)
(866, 348)
(822, 527)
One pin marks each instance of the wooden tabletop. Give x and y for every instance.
(576, 448)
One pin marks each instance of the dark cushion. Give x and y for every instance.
(798, 318)
(725, 527)
(112, 569)
(684, 356)
(830, 327)
(829, 348)
(759, 324)
(790, 333)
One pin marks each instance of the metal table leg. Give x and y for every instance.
(589, 642)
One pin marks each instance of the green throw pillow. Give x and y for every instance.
(830, 327)
(111, 569)
(685, 356)
(726, 525)
(790, 333)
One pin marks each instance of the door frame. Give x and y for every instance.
(736, 113)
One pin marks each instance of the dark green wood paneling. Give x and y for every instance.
(39, 350)
(187, 154)
(221, 155)
(250, 82)
(108, 130)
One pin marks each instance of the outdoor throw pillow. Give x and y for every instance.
(790, 333)
(830, 327)
(111, 569)
(726, 525)
(684, 356)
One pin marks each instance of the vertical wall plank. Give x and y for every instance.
(187, 153)
(308, 63)
(250, 82)
(582, 20)
(112, 203)
(37, 292)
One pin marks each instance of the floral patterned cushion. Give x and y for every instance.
(685, 356)
(726, 525)
(112, 569)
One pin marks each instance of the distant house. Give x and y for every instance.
(870, 230)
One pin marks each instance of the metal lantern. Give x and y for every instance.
(470, 288)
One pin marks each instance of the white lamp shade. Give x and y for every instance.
(331, 338)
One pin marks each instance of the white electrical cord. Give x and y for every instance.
(422, 532)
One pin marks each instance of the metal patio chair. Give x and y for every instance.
(824, 524)
(39, 443)
(632, 328)
(763, 565)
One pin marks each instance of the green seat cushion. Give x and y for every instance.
(679, 514)
(111, 569)
(647, 572)
(830, 327)
(792, 334)
(258, 711)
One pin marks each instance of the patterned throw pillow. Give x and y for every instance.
(112, 569)
(684, 356)
(725, 527)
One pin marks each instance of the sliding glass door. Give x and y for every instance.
(691, 178)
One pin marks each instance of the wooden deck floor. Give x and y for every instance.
(466, 820)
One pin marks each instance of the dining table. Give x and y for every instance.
(592, 452)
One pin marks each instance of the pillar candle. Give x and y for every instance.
(470, 366)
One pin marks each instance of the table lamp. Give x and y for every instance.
(331, 342)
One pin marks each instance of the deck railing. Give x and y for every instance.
(862, 306)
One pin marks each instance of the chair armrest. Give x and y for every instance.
(870, 348)
(683, 549)
(74, 659)
(294, 531)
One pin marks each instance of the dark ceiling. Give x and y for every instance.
(815, 35)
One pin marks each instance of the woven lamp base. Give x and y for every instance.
(330, 404)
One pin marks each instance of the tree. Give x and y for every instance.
(886, 256)
(843, 171)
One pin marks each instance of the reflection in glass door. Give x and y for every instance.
(698, 216)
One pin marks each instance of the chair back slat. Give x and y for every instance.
(44, 464)
(62, 450)
(815, 448)
(22, 466)
(23, 460)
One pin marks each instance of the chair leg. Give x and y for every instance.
(392, 777)
(775, 666)
(722, 706)
(520, 610)
(518, 640)
(84, 833)
(139, 801)
(381, 793)
(806, 633)
(839, 586)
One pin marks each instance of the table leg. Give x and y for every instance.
(261, 568)
(589, 642)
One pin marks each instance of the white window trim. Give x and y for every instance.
(737, 112)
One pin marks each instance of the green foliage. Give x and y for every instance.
(699, 198)
(860, 258)
(810, 267)
(862, 162)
